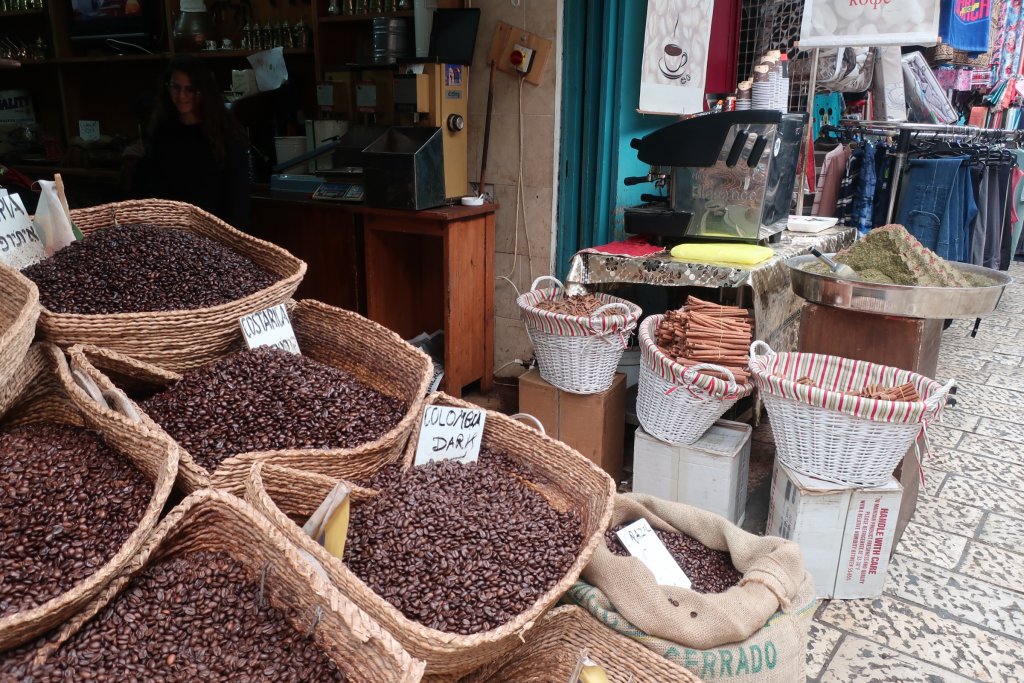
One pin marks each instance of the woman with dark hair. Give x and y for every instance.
(196, 151)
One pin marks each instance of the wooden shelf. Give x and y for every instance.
(221, 54)
(348, 18)
(22, 13)
(94, 59)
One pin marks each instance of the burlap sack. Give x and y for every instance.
(756, 631)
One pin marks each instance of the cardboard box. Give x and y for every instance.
(593, 424)
(710, 473)
(846, 534)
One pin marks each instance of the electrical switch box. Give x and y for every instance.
(521, 58)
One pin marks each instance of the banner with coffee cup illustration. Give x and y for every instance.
(853, 23)
(676, 43)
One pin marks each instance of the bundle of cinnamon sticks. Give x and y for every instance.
(706, 332)
(903, 392)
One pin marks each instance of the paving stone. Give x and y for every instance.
(977, 602)
(943, 436)
(1003, 531)
(822, 640)
(950, 517)
(979, 467)
(966, 491)
(953, 355)
(927, 636)
(861, 661)
(933, 546)
(954, 418)
(1008, 430)
(992, 447)
(994, 565)
(933, 480)
(992, 409)
(1008, 378)
(982, 392)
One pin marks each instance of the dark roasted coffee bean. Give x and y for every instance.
(709, 571)
(212, 625)
(137, 268)
(267, 399)
(67, 505)
(460, 547)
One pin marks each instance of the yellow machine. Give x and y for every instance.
(440, 98)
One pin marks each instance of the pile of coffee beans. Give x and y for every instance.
(577, 304)
(196, 617)
(140, 267)
(462, 548)
(67, 505)
(382, 478)
(268, 399)
(709, 570)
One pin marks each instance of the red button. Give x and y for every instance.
(516, 58)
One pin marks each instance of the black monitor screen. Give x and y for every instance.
(96, 17)
(453, 35)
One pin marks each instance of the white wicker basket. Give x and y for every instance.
(578, 354)
(831, 434)
(675, 403)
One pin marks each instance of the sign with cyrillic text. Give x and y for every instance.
(269, 327)
(448, 433)
(854, 23)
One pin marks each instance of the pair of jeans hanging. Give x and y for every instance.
(864, 192)
(936, 204)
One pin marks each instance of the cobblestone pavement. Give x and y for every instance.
(953, 603)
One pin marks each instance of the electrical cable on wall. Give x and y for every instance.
(520, 207)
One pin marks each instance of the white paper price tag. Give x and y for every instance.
(89, 130)
(448, 433)
(20, 245)
(643, 544)
(269, 327)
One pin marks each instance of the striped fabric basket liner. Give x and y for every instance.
(578, 354)
(676, 403)
(825, 431)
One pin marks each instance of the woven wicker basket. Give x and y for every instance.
(554, 646)
(19, 310)
(570, 481)
(675, 403)
(175, 340)
(578, 354)
(374, 354)
(43, 390)
(215, 521)
(832, 434)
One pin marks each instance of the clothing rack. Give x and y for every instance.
(905, 133)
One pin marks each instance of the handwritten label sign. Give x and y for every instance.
(450, 434)
(269, 327)
(643, 544)
(20, 245)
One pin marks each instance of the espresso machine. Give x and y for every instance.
(723, 177)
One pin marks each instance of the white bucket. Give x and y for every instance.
(289, 147)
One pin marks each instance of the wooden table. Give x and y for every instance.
(411, 271)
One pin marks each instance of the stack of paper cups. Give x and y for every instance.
(763, 90)
(743, 96)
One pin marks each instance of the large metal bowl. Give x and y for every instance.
(902, 300)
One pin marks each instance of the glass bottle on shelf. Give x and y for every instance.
(332, 8)
(300, 35)
(267, 36)
(287, 37)
(247, 36)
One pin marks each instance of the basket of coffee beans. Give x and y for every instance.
(578, 339)
(80, 490)
(349, 401)
(19, 310)
(217, 595)
(161, 281)
(553, 650)
(457, 559)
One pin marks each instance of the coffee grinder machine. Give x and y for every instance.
(728, 177)
(439, 97)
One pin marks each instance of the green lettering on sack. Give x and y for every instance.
(709, 664)
(742, 665)
(725, 662)
(671, 653)
(756, 658)
(691, 659)
(771, 655)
